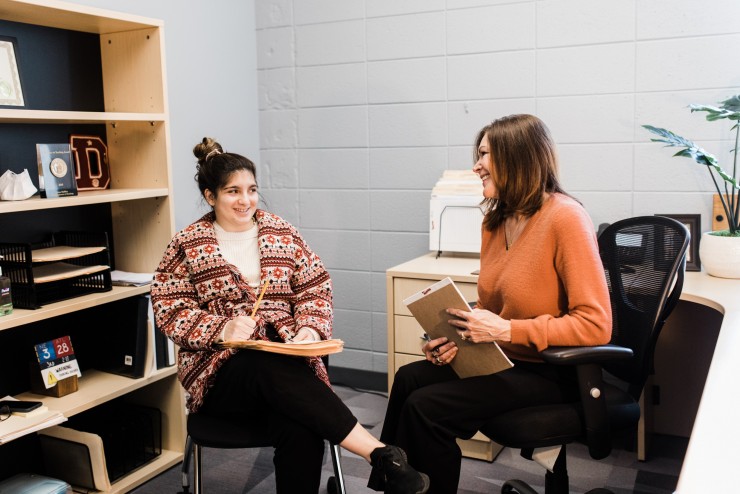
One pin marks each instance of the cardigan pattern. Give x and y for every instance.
(196, 291)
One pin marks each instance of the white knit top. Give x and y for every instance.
(241, 250)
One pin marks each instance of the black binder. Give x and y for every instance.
(160, 348)
(122, 346)
(164, 348)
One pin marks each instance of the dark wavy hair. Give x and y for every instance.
(524, 166)
(215, 166)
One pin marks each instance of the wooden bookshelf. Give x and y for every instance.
(136, 122)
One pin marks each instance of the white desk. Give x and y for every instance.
(710, 463)
(711, 460)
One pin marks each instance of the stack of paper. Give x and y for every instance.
(17, 426)
(458, 183)
(124, 278)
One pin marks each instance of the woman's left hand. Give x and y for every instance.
(481, 326)
(306, 335)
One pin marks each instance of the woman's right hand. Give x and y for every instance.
(439, 351)
(239, 329)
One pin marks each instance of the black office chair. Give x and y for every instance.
(644, 260)
(209, 432)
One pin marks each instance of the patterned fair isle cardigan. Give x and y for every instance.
(195, 292)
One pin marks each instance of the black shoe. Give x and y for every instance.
(392, 472)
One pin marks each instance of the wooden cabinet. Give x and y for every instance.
(139, 200)
(404, 333)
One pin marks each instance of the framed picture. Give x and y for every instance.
(11, 92)
(693, 223)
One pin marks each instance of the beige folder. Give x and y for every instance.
(298, 349)
(429, 307)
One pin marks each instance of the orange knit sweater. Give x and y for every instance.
(550, 283)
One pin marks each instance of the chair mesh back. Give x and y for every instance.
(642, 257)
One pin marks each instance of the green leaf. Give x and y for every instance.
(730, 109)
(732, 103)
(691, 150)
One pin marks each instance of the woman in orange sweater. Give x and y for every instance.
(541, 284)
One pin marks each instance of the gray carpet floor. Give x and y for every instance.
(251, 470)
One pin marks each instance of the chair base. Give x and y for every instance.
(556, 482)
(516, 486)
(521, 487)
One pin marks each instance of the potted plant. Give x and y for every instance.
(719, 250)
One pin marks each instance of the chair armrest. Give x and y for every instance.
(576, 355)
(587, 361)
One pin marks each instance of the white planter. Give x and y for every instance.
(720, 256)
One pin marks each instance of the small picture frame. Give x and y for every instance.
(56, 170)
(11, 91)
(693, 223)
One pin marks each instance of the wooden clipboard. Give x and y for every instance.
(311, 349)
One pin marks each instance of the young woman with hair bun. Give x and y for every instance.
(204, 291)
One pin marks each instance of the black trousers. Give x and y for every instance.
(429, 407)
(299, 411)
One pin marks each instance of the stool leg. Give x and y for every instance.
(336, 457)
(197, 468)
(186, 465)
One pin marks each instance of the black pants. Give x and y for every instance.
(429, 407)
(299, 411)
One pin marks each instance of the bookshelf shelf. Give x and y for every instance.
(95, 388)
(74, 117)
(21, 317)
(82, 199)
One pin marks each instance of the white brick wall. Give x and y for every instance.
(363, 104)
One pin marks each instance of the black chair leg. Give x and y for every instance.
(335, 484)
(556, 482)
(197, 465)
(185, 471)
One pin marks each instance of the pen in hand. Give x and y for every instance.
(259, 299)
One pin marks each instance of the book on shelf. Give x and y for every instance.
(164, 348)
(429, 307)
(125, 349)
(296, 349)
(119, 340)
(17, 425)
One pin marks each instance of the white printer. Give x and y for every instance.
(455, 212)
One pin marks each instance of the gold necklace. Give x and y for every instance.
(515, 234)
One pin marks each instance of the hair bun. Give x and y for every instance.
(206, 149)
